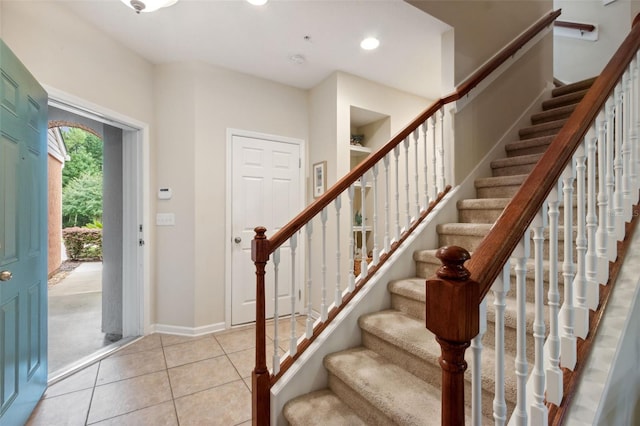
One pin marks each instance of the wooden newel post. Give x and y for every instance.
(453, 312)
(260, 377)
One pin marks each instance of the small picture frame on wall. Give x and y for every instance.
(319, 178)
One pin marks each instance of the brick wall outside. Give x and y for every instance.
(55, 214)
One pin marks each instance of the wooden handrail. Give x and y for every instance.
(462, 90)
(575, 26)
(496, 248)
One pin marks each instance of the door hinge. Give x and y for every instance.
(299, 294)
(140, 228)
(140, 242)
(299, 163)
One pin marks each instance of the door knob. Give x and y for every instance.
(5, 275)
(237, 240)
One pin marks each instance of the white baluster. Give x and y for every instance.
(476, 368)
(337, 301)
(364, 266)
(276, 313)
(374, 188)
(500, 289)
(632, 129)
(406, 185)
(610, 181)
(425, 169)
(324, 311)
(441, 180)
(618, 165)
(602, 248)
(635, 122)
(309, 332)
(520, 256)
(434, 169)
(568, 348)
(387, 217)
(581, 326)
(396, 153)
(293, 344)
(626, 147)
(554, 374)
(352, 245)
(538, 411)
(591, 261)
(416, 138)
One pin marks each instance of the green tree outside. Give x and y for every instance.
(81, 178)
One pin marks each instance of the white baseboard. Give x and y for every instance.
(187, 331)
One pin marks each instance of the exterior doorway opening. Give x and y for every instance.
(88, 215)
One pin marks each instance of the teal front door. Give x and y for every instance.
(23, 240)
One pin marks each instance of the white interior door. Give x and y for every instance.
(266, 191)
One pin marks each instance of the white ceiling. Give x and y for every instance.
(260, 40)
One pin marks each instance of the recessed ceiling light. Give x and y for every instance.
(370, 43)
(258, 2)
(297, 59)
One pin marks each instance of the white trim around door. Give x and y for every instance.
(136, 286)
(231, 133)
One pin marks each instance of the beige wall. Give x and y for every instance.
(483, 27)
(227, 99)
(481, 124)
(576, 59)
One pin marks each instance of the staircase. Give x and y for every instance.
(394, 377)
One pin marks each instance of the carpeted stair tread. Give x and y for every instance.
(573, 87)
(559, 113)
(409, 335)
(399, 395)
(529, 146)
(544, 129)
(562, 100)
(411, 288)
(509, 166)
(464, 229)
(500, 181)
(319, 409)
(481, 210)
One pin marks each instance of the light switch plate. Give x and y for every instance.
(165, 219)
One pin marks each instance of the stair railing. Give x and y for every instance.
(408, 178)
(590, 171)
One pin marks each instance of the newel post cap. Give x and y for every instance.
(260, 245)
(452, 302)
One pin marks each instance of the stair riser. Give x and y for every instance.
(428, 270)
(503, 191)
(573, 87)
(520, 169)
(365, 410)
(528, 147)
(491, 215)
(563, 100)
(431, 372)
(553, 115)
(510, 346)
(479, 215)
(530, 134)
(411, 307)
(471, 243)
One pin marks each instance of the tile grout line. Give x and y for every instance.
(93, 391)
(173, 399)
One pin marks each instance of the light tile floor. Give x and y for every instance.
(164, 379)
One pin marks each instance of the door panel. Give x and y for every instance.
(266, 192)
(23, 238)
